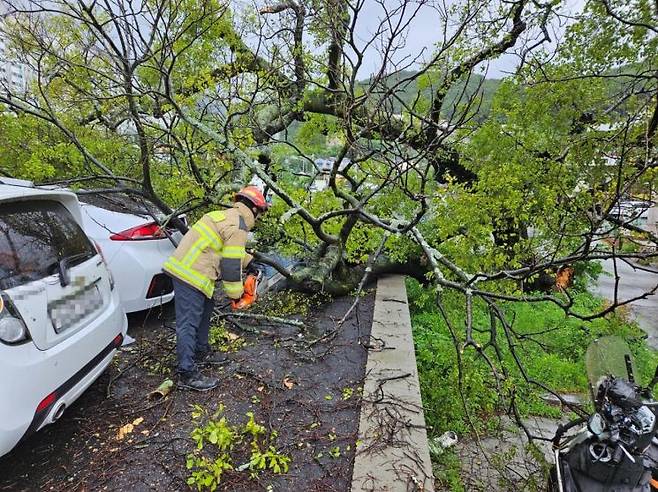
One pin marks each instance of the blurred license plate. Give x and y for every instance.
(68, 311)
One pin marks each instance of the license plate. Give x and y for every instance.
(66, 312)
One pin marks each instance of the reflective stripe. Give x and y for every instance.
(233, 289)
(217, 216)
(190, 276)
(231, 269)
(209, 234)
(195, 251)
(234, 252)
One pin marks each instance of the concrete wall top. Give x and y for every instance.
(392, 453)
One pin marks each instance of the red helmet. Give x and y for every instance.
(255, 196)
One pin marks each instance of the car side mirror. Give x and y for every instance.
(596, 425)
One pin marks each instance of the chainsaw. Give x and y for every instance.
(250, 291)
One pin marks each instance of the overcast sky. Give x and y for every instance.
(425, 29)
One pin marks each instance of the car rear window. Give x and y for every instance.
(123, 203)
(34, 236)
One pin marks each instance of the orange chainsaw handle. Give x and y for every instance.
(249, 295)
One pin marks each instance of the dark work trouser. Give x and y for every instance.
(193, 311)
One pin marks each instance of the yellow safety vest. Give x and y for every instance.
(213, 247)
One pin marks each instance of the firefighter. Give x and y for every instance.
(213, 248)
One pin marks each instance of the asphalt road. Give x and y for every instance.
(633, 282)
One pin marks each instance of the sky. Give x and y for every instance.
(425, 30)
(422, 33)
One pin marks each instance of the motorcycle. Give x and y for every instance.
(616, 448)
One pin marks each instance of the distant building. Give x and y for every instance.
(14, 76)
(323, 167)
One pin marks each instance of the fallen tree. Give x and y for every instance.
(428, 175)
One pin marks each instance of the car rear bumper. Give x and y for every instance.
(73, 387)
(134, 264)
(141, 304)
(29, 376)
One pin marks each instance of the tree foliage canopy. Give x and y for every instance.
(430, 175)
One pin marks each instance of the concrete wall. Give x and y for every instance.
(392, 452)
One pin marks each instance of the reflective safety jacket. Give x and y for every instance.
(214, 248)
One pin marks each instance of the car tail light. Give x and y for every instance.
(139, 233)
(118, 340)
(47, 402)
(13, 330)
(107, 267)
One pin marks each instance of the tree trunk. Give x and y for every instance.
(339, 278)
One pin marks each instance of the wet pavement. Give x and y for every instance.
(501, 461)
(118, 437)
(633, 282)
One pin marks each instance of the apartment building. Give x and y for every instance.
(14, 76)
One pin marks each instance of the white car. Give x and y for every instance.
(133, 245)
(635, 212)
(60, 316)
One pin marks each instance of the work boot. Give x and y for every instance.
(211, 358)
(197, 381)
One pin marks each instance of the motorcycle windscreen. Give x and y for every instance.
(608, 356)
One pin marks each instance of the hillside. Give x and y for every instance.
(460, 92)
(408, 96)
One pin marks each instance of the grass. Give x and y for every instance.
(446, 468)
(550, 346)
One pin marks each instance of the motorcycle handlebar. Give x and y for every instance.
(561, 429)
